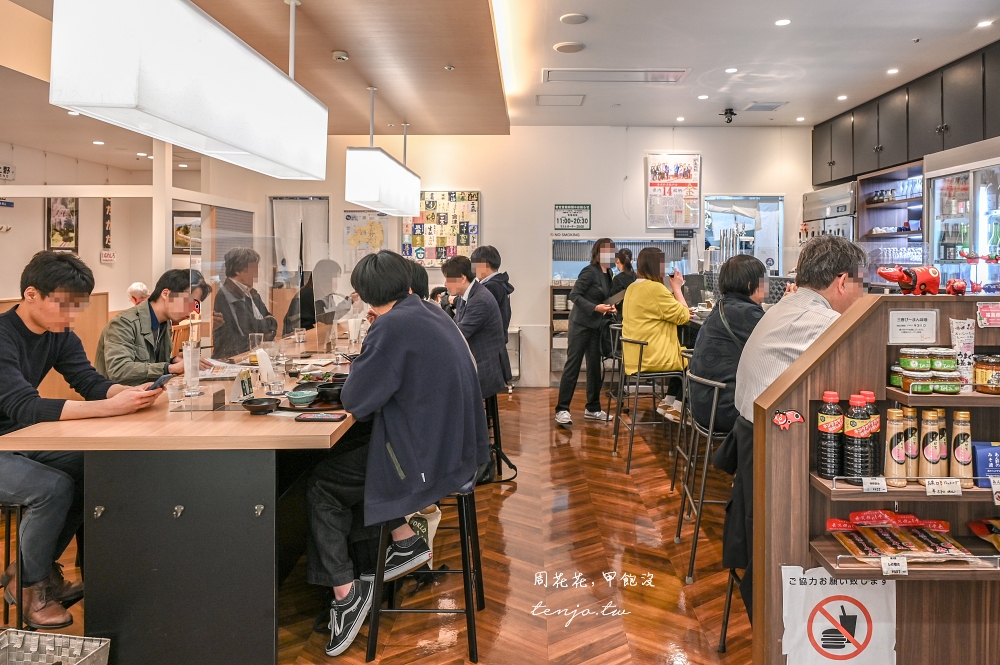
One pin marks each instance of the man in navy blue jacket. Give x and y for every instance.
(416, 381)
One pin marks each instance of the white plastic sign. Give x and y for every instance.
(995, 484)
(894, 565)
(873, 485)
(242, 386)
(913, 326)
(944, 487)
(264, 364)
(828, 619)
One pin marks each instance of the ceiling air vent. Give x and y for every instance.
(614, 75)
(763, 106)
(559, 100)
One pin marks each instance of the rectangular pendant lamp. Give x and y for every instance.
(166, 69)
(376, 180)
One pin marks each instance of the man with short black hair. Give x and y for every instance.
(486, 262)
(428, 438)
(137, 345)
(36, 336)
(239, 309)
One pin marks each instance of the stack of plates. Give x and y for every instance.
(559, 302)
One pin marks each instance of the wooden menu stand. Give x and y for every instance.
(945, 613)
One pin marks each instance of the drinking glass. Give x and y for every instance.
(354, 329)
(191, 351)
(300, 335)
(256, 340)
(175, 392)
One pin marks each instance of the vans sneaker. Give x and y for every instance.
(404, 556)
(347, 615)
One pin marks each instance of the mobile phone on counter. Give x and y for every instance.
(320, 417)
(160, 382)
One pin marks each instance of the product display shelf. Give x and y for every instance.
(896, 203)
(557, 353)
(912, 492)
(894, 234)
(967, 400)
(792, 504)
(831, 554)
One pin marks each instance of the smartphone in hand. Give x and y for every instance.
(160, 382)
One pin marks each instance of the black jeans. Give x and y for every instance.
(50, 485)
(336, 485)
(583, 341)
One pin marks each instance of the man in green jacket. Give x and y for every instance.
(136, 345)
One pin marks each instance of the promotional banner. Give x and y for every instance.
(107, 224)
(673, 191)
(447, 226)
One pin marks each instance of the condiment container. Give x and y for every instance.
(918, 383)
(895, 449)
(930, 453)
(961, 448)
(918, 360)
(986, 375)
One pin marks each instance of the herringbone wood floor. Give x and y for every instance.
(572, 510)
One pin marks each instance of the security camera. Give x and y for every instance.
(729, 115)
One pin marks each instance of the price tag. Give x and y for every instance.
(873, 485)
(995, 483)
(894, 565)
(944, 487)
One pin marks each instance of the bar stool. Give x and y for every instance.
(691, 468)
(616, 363)
(636, 380)
(733, 577)
(472, 575)
(9, 509)
(679, 451)
(493, 423)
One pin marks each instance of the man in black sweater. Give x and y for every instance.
(36, 336)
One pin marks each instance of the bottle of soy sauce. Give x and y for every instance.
(875, 433)
(857, 455)
(830, 423)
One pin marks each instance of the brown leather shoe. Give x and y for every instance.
(62, 591)
(41, 611)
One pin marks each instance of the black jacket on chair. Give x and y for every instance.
(735, 456)
(592, 288)
(478, 317)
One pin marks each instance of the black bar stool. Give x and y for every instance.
(635, 381)
(9, 509)
(493, 423)
(733, 577)
(616, 364)
(680, 451)
(472, 576)
(691, 468)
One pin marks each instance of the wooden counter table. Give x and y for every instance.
(191, 519)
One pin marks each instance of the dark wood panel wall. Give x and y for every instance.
(956, 105)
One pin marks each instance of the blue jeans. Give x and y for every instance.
(50, 486)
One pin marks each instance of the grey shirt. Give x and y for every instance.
(784, 332)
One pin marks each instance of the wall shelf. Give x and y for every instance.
(912, 492)
(970, 400)
(894, 234)
(826, 550)
(896, 203)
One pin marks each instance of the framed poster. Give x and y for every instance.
(62, 224)
(187, 232)
(447, 226)
(365, 233)
(572, 217)
(673, 191)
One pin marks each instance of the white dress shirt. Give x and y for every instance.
(784, 332)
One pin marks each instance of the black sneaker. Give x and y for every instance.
(322, 623)
(346, 617)
(403, 558)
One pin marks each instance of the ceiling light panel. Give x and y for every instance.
(614, 75)
(559, 100)
(763, 106)
(376, 180)
(168, 70)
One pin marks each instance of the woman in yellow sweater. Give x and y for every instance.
(651, 313)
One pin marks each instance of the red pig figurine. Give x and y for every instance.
(924, 280)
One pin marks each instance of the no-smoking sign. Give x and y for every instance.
(840, 628)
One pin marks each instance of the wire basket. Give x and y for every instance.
(18, 646)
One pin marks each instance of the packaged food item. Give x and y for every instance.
(961, 457)
(930, 454)
(985, 461)
(915, 359)
(896, 376)
(986, 375)
(875, 432)
(895, 449)
(988, 530)
(947, 383)
(943, 440)
(830, 423)
(854, 542)
(933, 535)
(857, 455)
(944, 360)
(912, 437)
(918, 383)
(963, 341)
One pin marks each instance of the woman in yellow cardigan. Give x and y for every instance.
(651, 314)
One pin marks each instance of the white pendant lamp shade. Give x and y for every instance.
(375, 180)
(166, 69)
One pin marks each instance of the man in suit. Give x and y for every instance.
(239, 309)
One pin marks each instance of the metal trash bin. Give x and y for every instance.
(19, 646)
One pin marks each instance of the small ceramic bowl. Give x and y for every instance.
(259, 406)
(330, 392)
(301, 397)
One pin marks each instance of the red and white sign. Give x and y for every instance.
(988, 314)
(107, 256)
(842, 636)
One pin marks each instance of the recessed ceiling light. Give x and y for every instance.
(799, 119)
(74, 112)
(391, 124)
(732, 70)
(183, 166)
(782, 21)
(574, 19)
(149, 157)
(140, 154)
(702, 96)
(569, 47)
(681, 119)
(449, 68)
(892, 71)
(842, 97)
(98, 142)
(984, 24)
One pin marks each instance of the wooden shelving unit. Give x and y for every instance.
(827, 549)
(967, 400)
(896, 234)
(912, 492)
(556, 315)
(895, 203)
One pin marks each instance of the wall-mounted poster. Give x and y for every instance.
(447, 226)
(187, 232)
(106, 243)
(62, 224)
(365, 232)
(572, 217)
(673, 191)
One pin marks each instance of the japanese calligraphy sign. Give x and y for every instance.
(913, 326)
(828, 619)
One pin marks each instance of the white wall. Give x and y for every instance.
(131, 219)
(523, 175)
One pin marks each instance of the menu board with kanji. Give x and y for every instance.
(447, 226)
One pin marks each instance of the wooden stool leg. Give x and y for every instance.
(376, 611)
(468, 577)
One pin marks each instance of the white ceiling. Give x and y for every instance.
(829, 49)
